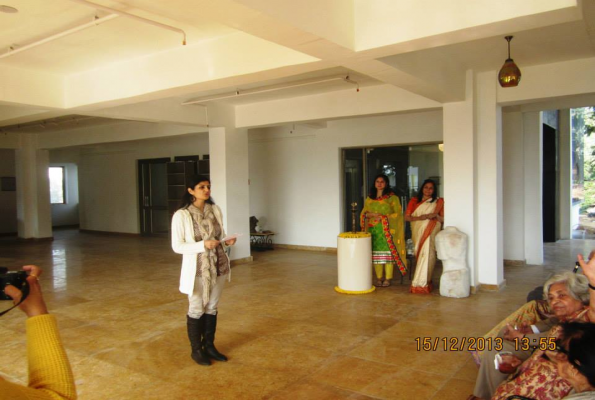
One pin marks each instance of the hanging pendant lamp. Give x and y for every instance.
(510, 74)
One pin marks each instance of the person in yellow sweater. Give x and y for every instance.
(50, 375)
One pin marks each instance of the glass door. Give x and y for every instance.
(406, 167)
(353, 178)
(392, 162)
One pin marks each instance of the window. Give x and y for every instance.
(57, 185)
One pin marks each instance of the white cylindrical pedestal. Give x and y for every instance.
(354, 261)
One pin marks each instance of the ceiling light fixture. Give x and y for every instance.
(510, 74)
(136, 17)
(271, 88)
(96, 21)
(8, 9)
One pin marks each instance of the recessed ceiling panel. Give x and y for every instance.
(115, 40)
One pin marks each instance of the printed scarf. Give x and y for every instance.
(207, 260)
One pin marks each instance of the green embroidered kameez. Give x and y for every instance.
(388, 235)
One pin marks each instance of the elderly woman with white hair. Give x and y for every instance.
(567, 295)
(538, 376)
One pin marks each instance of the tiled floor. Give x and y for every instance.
(287, 333)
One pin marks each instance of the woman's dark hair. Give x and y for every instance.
(581, 347)
(191, 183)
(420, 193)
(387, 189)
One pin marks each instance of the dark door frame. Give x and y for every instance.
(144, 193)
(549, 183)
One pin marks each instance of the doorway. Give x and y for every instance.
(406, 167)
(549, 184)
(583, 172)
(152, 190)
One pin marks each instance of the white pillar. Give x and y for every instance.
(228, 155)
(565, 189)
(459, 170)
(533, 132)
(513, 176)
(489, 183)
(34, 217)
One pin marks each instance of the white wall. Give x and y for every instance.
(295, 177)
(108, 177)
(8, 200)
(514, 185)
(522, 155)
(67, 213)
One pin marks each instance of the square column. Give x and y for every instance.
(490, 263)
(228, 154)
(34, 217)
(513, 170)
(459, 170)
(533, 156)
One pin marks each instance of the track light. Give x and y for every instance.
(271, 88)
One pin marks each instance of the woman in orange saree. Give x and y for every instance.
(426, 215)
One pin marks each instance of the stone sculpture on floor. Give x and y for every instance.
(451, 245)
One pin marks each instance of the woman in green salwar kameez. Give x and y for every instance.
(384, 218)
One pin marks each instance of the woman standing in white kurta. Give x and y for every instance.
(196, 231)
(426, 215)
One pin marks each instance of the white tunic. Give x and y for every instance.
(182, 242)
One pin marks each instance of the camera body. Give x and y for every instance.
(14, 278)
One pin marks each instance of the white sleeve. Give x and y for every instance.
(178, 243)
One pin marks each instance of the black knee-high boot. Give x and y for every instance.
(196, 329)
(209, 338)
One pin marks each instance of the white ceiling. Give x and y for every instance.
(247, 44)
(112, 41)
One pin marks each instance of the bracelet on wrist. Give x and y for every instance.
(591, 287)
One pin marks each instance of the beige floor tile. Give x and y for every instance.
(405, 385)
(315, 391)
(236, 381)
(13, 359)
(319, 337)
(352, 322)
(97, 379)
(455, 389)
(280, 356)
(352, 373)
